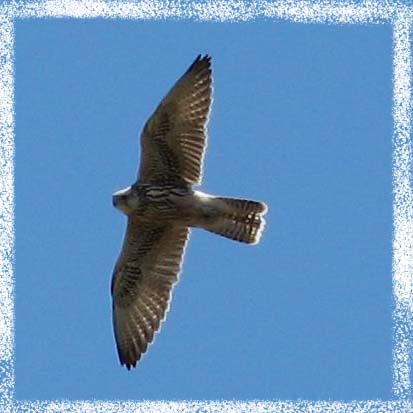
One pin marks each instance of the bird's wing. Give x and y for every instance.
(143, 278)
(174, 138)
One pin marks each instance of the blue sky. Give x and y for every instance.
(301, 120)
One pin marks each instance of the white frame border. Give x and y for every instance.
(319, 11)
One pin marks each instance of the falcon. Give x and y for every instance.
(162, 206)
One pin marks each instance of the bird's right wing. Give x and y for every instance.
(174, 138)
(143, 278)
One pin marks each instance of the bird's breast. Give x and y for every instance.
(164, 203)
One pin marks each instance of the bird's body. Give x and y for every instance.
(161, 208)
(156, 202)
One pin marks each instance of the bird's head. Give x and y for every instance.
(125, 200)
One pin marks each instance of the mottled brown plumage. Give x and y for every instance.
(162, 206)
(173, 139)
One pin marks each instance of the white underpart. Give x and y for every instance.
(122, 191)
(314, 11)
(203, 195)
(155, 192)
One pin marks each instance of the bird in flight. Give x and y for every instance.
(162, 206)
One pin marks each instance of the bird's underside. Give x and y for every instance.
(162, 205)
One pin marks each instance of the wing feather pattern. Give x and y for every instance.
(174, 138)
(142, 282)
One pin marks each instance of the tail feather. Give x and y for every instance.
(238, 219)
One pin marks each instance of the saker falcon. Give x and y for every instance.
(162, 205)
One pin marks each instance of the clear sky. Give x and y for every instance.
(301, 120)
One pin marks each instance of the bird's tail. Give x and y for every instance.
(237, 219)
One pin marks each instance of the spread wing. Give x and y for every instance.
(173, 140)
(144, 276)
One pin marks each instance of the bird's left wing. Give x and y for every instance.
(142, 282)
(174, 138)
